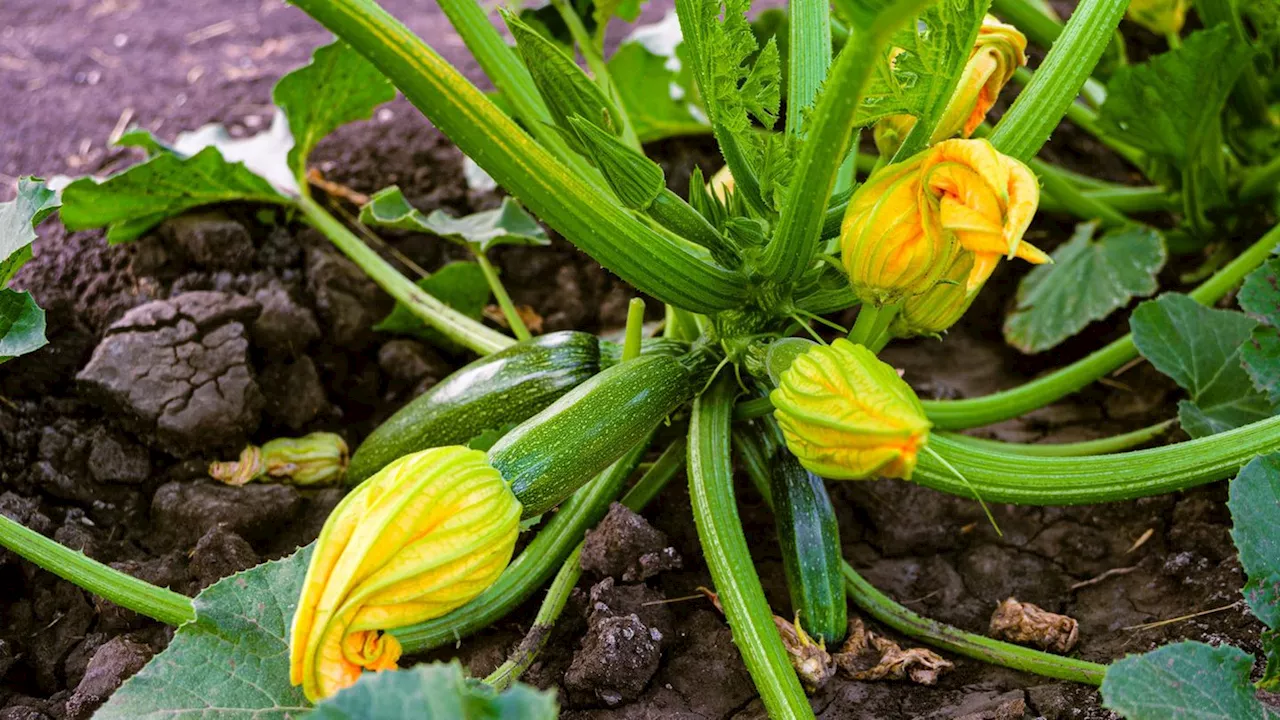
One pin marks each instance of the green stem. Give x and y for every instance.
(725, 550)
(809, 58)
(1128, 200)
(884, 609)
(451, 323)
(997, 407)
(509, 310)
(635, 329)
(1261, 181)
(533, 567)
(794, 241)
(595, 61)
(880, 336)
(1086, 119)
(1042, 104)
(1039, 28)
(124, 590)
(1029, 480)
(868, 314)
(1084, 206)
(662, 265)
(1101, 446)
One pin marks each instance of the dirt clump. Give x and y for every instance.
(625, 546)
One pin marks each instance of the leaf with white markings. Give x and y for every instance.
(18, 221)
(1255, 520)
(1184, 681)
(22, 324)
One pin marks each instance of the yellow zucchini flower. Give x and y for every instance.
(423, 536)
(1162, 17)
(906, 224)
(937, 309)
(848, 416)
(998, 51)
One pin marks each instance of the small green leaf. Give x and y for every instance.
(1184, 681)
(658, 103)
(18, 221)
(507, 225)
(1171, 107)
(21, 324)
(1090, 279)
(338, 86)
(134, 201)
(1199, 348)
(232, 661)
(460, 285)
(437, 691)
(1255, 520)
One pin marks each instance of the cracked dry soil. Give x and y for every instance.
(165, 355)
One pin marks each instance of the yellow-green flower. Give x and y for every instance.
(906, 224)
(1163, 17)
(848, 416)
(998, 51)
(938, 308)
(320, 458)
(423, 536)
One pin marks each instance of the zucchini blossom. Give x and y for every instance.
(848, 416)
(938, 308)
(1163, 17)
(998, 51)
(906, 224)
(423, 536)
(320, 458)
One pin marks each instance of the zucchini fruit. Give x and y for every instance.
(550, 455)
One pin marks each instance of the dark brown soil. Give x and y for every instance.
(291, 318)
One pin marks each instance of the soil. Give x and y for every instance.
(113, 464)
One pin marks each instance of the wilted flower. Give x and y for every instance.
(998, 51)
(423, 536)
(320, 458)
(848, 416)
(1163, 17)
(906, 224)
(938, 308)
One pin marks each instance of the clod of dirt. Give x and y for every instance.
(7, 657)
(611, 600)
(116, 459)
(78, 659)
(218, 554)
(867, 656)
(1059, 701)
(293, 392)
(408, 363)
(618, 657)
(63, 615)
(1031, 625)
(23, 712)
(178, 370)
(23, 511)
(116, 660)
(625, 546)
(185, 511)
(285, 327)
(1011, 705)
(349, 303)
(212, 240)
(706, 668)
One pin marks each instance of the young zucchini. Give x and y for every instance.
(551, 454)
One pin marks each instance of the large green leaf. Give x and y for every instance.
(21, 324)
(460, 285)
(1260, 298)
(655, 95)
(1255, 520)
(1088, 280)
(924, 59)
(232, 661)
(1199, 347)
(138, 199)
(337, 87)
(433, 692)
(1171, 107)
(18, 221)
(508, 224)
(1184, 681)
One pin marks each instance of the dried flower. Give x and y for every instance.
(1032, 625)
(320, 458)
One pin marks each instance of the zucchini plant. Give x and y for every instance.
(801, 225)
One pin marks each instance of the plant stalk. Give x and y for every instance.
(509, 310)
(810, 57)
(1101, 446)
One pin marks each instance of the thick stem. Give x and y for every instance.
(1127, 200)
(1057, 186)
(664, 266)
(810, 56)
(124, 590)
(1101, 446)
(1260, 181)
(451, 323)
(1086, 119)
(509, 310)
(1028, 480)
(1042, 104)
(635, 329)
(724, 548)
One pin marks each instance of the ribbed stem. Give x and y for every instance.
(1101, 446)
(124, 590)
(1078, 203)
(810, 56)
(1039, 28)
(724, 548)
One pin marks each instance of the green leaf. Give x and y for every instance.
(437, 691)
(1260, 298)
(627, 10)
(337, 87)
(1255, 520)
(1184, 681)
(18, 221)
(920, 67)
(142, 138)
(1171, 107)
(232, 661)
(21, 324)
(633, 177)
(652, 93)
(136, 200)
(509, 224)
(1090, 279)
(1199, 348)
(460, 285)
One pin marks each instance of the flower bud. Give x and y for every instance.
(1162, 17)
(998, 51)
(423, 536)
(320, 458)
(938, 308)
(848, 416)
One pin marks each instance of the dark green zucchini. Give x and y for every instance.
(550, 455)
